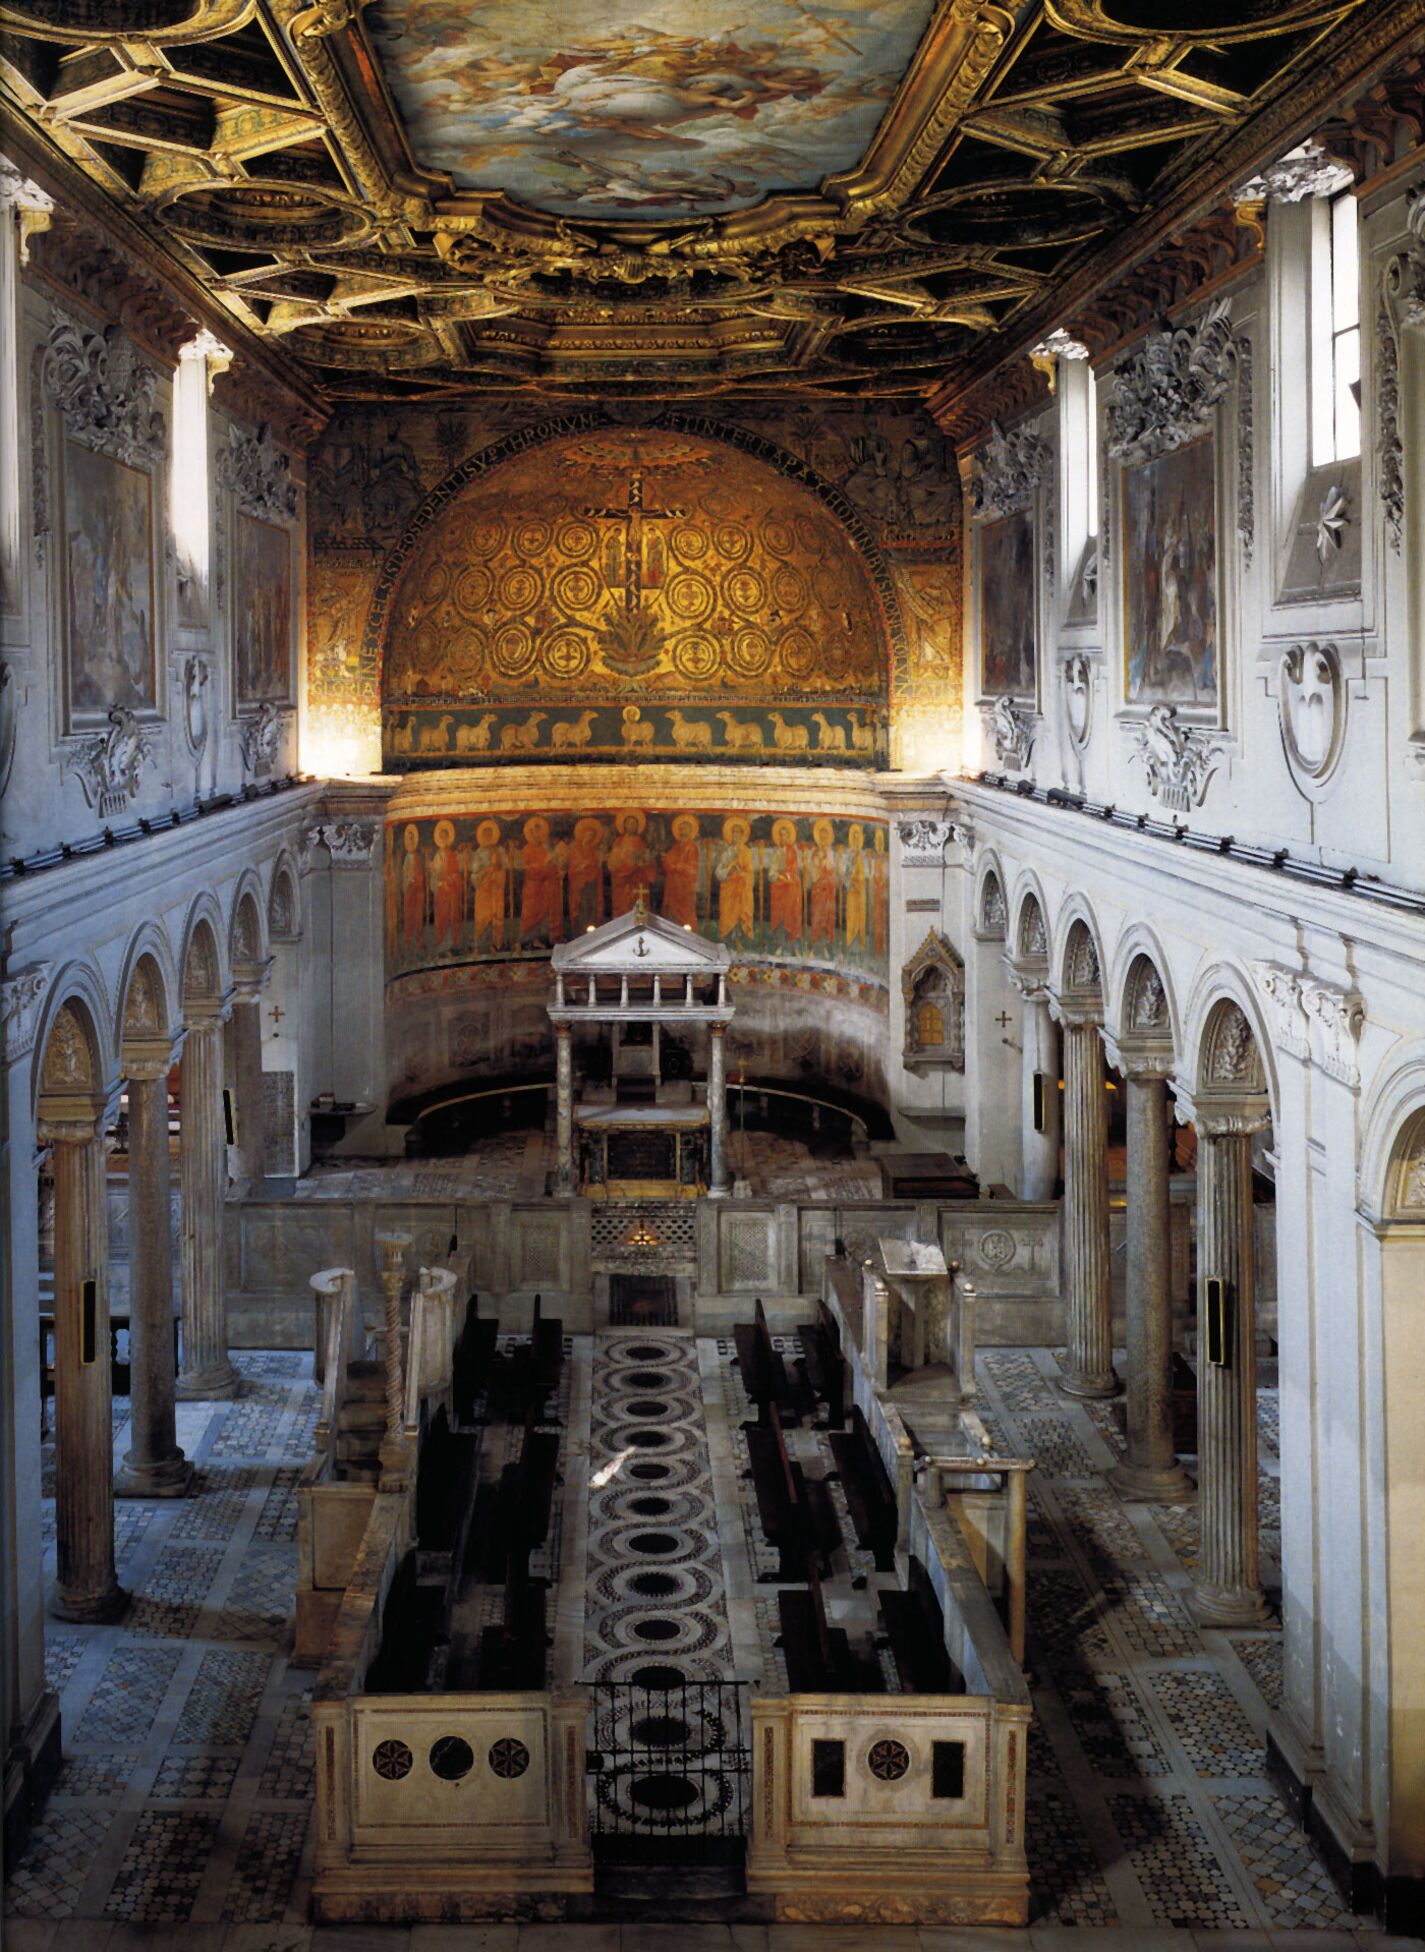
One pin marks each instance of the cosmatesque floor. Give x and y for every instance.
(181, 1815)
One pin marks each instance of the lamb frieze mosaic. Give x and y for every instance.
(400, 198)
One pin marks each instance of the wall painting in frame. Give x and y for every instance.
(111, 645)
(262, 613)
(1007, 587)
(1170, 580)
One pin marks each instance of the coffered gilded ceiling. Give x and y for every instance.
(424, 197)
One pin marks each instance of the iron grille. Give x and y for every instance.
(670, 1763)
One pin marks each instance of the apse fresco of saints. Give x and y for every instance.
(462, 889)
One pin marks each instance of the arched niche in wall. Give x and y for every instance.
(643, 592)
(933, 986)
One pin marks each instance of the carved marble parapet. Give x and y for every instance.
(1402, 305)
(1314, 1020)
(1009, 470)
(104, 391)
(1338, 1016)
(258, 474)
(1011, 731)
(31, 205)
(923, 842)
(350, 842)
(107, 764)
(20, 999)
(1179, 760)
(1306, 171)
(260, 738)
(1282, 989)
(1165, 394)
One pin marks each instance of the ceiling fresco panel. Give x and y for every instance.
(664, 111)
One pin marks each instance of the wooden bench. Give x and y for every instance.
(915, 1628)
(411, 1623)
(764, 1372)
(546, 1358)
(826, 1366)
(819, 1657)
(512, 1653)
(444, 1483)
(870, 1495)
(474, 1353)
(797, 1513)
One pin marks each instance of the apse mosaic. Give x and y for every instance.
(654, 111)
(478, 887)
(635, 592)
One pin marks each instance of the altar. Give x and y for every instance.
(628, 1152)
(654, 989)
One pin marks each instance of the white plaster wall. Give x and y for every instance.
(44, 803)
(1370, 813)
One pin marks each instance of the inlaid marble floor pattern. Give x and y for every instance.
(181, 1815)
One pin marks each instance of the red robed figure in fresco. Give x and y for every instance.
(680, 872)
(413, 890)
(822, 903)
(785, 894)
(540, 906)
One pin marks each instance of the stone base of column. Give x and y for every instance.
(168, 1477)
(1170, 1486)
(218, 1381)
(1228, 1606)
(90, 1609)
(1106, 1384)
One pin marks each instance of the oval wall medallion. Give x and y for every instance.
(1078, 700)
(1311, 703)
(195, 704)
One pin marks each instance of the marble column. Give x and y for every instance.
(565, 1176)
(1227, 1588)
(202, 1177)
(1086, 1251)
(1039, 1172)
(1150, 1468)
(717, 1110)
(154, 1466)
(86, 1586)
(247, 1083)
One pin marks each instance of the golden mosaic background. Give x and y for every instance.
(643, 565)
